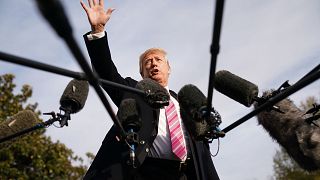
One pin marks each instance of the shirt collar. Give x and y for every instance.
(167, 88)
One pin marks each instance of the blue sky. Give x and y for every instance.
(265, 42)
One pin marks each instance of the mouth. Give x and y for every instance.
(154, 72)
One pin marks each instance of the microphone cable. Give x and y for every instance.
(218, 149)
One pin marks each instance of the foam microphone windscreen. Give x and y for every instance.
(75, 95)
(191, 100)
(300, 139)
(21, 121)
(157, 96)
(235, 87)
(129, 114)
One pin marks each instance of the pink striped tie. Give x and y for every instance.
(176, 133)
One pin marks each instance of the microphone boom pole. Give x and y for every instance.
(214, 50)
(40, 66)
(315, 69)
(37, 126)
(65, 72)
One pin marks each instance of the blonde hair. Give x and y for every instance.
(146, 53)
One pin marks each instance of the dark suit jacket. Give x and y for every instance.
(110, 161)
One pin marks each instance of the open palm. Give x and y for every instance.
(97, 15)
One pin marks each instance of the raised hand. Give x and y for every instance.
(97, 15)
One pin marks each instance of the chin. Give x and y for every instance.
(155, 78)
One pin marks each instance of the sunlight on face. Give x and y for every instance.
(155, 66)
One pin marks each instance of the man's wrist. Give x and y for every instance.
(93, 36)
(97, 29)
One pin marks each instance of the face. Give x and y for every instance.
(156, 67)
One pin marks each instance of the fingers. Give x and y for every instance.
(109, 11)
(93, 3)
(101, 3)
(90, 2)
(84, 6)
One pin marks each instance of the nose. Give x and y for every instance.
(154, 62)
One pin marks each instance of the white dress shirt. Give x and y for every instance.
(161, 147)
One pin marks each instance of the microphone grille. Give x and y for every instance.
(129, 114)
(22, 120)
(75, 95)
(235, 87)
(157, 96)
(191, 98)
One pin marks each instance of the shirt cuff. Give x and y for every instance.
(95, 36)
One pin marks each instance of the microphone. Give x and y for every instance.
(129, 116)
(22, 120)
(53, 12)
(73, 99)
(300, 139)
(193, 109)
(243, 91)
(236, 88)
(156, 95)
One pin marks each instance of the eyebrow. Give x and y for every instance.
(158, 57)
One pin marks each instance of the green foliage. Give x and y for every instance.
(287, 169)
(308, 103)
(33, 156)
(10, 104)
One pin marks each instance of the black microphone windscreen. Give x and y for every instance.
(300, 140)
(75, 95)
(129, 114)
(21, 121)
(235, 87)
(157, 96)
(191, 100)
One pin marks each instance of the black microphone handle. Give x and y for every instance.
(64, 119)
(132, 151)
(64, 72)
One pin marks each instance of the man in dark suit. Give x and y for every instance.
(166, 149)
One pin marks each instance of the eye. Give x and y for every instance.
(159, 59)
(147, 62)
